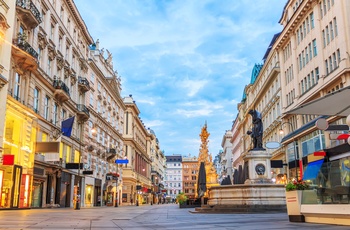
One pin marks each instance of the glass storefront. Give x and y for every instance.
(37, 194)
(330, 184)
(16, 177)
(89, 195)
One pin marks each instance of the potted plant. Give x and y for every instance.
(294, 191)
(181, 199)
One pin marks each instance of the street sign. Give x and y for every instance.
(122, 161)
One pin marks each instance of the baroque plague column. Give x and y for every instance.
(204, 156)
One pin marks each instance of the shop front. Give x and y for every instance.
(97, 192)
(17, 158)
(326, 168)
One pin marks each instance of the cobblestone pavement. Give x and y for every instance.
(166, 216)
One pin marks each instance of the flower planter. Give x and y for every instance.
(293, 201)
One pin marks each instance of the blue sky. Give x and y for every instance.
(186, 62)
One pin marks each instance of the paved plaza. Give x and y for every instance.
(166, 216)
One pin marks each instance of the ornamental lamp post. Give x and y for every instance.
(295, 151)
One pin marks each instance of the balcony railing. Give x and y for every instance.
(83, 84)
(23, 45)
(58, 84)
(113, 151)
(83, 112)
(29, 5)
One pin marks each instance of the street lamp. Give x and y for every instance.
(294, 146)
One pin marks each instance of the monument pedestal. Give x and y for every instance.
(259, 166)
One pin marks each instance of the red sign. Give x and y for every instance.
(8, 159)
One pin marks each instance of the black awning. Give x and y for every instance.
(339, 149)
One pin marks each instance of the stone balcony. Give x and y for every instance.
(83, 84)
(28, 13)
(24, 55)
(83, 113)
(61, 91)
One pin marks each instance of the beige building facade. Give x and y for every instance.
(157, 169)
(57, 71)
(137, 184)
(308, 59)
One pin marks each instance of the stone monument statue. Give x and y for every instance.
(257, 131)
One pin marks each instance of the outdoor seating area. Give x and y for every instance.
(336, 195)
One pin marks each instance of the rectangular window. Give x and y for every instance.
(306, 55)
(55, 114)
(312, 20)
(317, 73)
(327, 35)
(91, 99)
(309, 81)
(52, 31)
(314, 47)
(46, 107)
(335, 26)
(338, 54)
(324, 38)
(63, 114)
(17, 87)
(36, 100)
(312, 78)
(330, 64)
(48, 67)
(332, 31)
(302, 86)
(310, 51)
(92, 79)
(326, 65)
(335, 64)
(300, 62)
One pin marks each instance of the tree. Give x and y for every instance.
(181, 198)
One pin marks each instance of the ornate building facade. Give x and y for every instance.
(137, 184)
(56, 73)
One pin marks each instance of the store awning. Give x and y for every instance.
(312, 170)
(333, 104)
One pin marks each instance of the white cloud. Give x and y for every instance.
(184, 61)
(193, 86)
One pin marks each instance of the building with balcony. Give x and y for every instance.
(137, 184)
(7, 19)
(313, 48)
(104, 143)
(307, 60)
(57, 72)
(157, 169)
(41, 94)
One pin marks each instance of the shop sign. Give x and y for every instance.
(8, 159)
